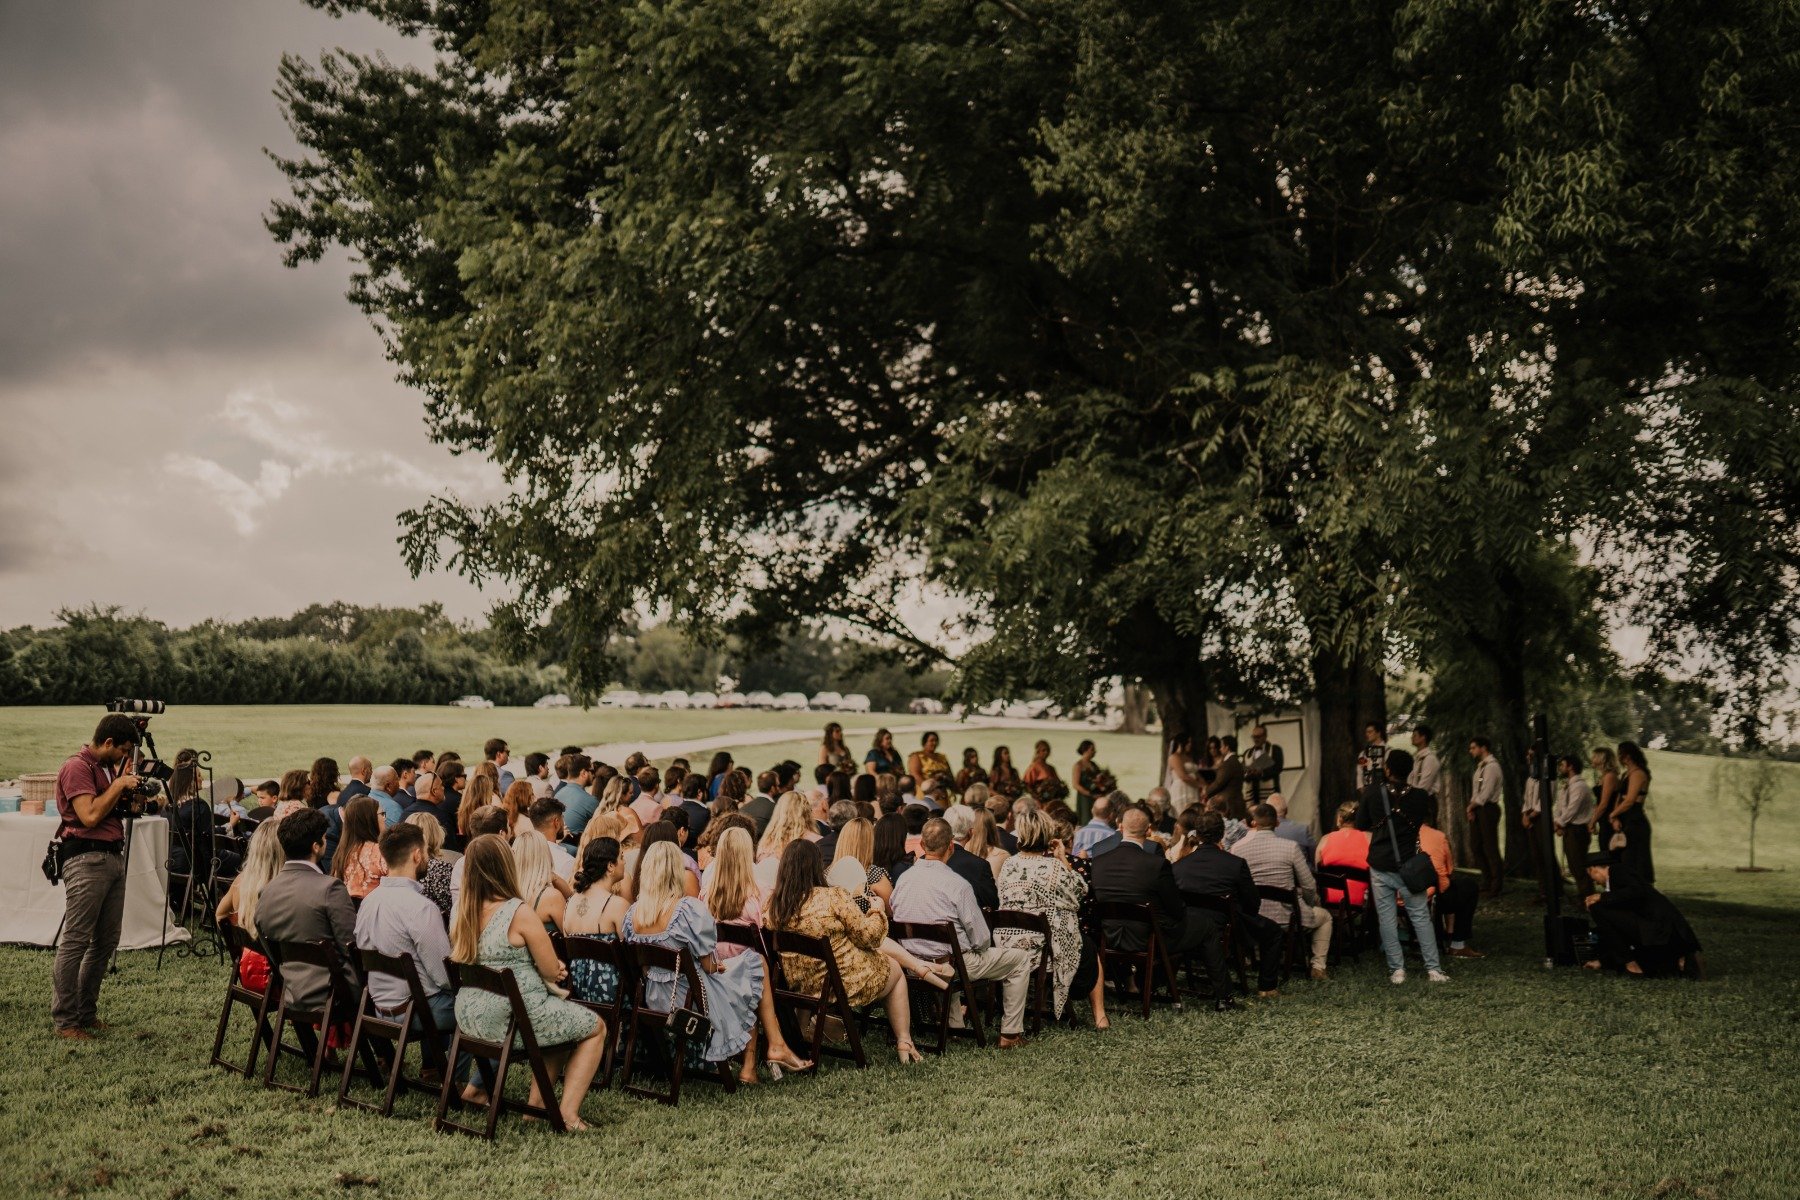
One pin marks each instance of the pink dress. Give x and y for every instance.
(750, 917)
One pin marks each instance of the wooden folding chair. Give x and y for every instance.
(832, 999)
(1350, 923)
(944, 935)
(1141, 964)
(624, 964)
(1044, 972)
(1225, 907)
(1293, 937)
(339, 1005)
(644, 1017)
(397, 1029)
(237, 942)
(475, 977)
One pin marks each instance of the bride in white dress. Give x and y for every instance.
(1180, 780)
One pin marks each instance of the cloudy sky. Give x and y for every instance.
(190, 428)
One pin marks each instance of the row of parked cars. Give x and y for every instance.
(855, 702)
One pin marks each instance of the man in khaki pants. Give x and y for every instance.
(89, 789)
(1484, 815)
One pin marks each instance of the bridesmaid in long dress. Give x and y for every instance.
(737, 991)
(1629, 817)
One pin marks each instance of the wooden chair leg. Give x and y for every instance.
(497, 1098)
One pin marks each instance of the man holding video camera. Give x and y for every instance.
(92, 790)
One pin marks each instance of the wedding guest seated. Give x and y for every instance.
(398, 919)
(731, 894)
(1208, 869)
(738, 998)
(789, 821)
(543, 893)
(1001, 808)
(961, 819)
(594, 911)
(1457, 894)
(263, 860)
(262, 800)
(575, 791)
(547, 819)
(495, 928)
(488, 820)
(303, 904)
(761, 806)
(1640, 930)
(439, 866)
(930, 892)
(1038, 879)
(984, 839)
(1292, 831)
(384, 784)
(804, 903)
(1276, 861)
(1345, 846)
(1098, 835)
(890, 855)
(915, 816)
(1162, 820)
(430, 798)
(869, 886)
(840, 814)
(707, 852)
(1131, 875)
(358, 861)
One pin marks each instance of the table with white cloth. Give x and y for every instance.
(31, 907)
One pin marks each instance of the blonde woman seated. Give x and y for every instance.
(737, 992)
(494, 928)
(869, 887)
(439, 867)
(262, 862)
(984, 840)
(543, 891)
(791, 821)
(804, 903)
(731, 893)
(1038, 879)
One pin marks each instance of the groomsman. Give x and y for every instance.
(1574, 809)
(1485, 793)
(1427, 773)
(1262, 766)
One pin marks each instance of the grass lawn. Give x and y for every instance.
(1510, 1082)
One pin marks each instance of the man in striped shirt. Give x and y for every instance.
(1277, 862)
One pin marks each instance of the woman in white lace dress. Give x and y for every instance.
(1038, 879)
(1181, 781)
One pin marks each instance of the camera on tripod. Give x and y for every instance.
(153, 774)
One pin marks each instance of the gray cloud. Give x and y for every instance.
(192, 429)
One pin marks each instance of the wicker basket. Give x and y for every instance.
(39, 789)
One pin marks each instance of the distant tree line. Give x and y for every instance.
(350, 654)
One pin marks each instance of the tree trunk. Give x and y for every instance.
(1181, 700)
(1350, 696)
(1135, 709)
(1513, 737)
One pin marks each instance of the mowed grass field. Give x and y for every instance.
(1512, 1081)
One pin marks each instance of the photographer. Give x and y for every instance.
(91, 790)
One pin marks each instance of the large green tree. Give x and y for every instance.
(1236, 348)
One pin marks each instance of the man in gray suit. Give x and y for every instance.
(303, 904)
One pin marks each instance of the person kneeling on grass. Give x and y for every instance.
(1641, 931)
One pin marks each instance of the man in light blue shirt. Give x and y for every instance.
(929, 892)
(1098, 835)
(1292, 831)
(382, 786)
(578, 801)
(398, 920)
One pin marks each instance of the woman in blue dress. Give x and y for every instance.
(492, 926)
(737, 991)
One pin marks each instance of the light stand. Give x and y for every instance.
(1543, 771)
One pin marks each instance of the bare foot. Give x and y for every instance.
(1592, 965)
(1631, 968)
(474, 1095)
(574, 1124)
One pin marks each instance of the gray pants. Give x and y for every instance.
(94, 913)
(1013, 969)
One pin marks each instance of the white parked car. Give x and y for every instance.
(553, 700)
(993, 708)
(673, 698)
(621, 698)
(732, 700)
(855, 702)
(760, 700)
(925, 706)
(827, 701)
(791, 702)
(703, 700)
(471, 702)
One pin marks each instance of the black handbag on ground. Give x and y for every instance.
(1417, 872)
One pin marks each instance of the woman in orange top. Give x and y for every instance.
(1039, 769)
(1345, 846)
(358, 861)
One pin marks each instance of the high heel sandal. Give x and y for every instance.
(940, 982)
(908, 1053)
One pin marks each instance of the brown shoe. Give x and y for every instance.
(1465, 952)
(1011, 1041)
(75, 1034)
(1271, 994)
(1318, 974)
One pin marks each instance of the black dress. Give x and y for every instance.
(1635, 855)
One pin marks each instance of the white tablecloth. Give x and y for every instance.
(31, 907)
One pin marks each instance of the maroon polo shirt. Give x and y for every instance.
(83, 775)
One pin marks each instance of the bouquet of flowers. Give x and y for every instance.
(1104, 782)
